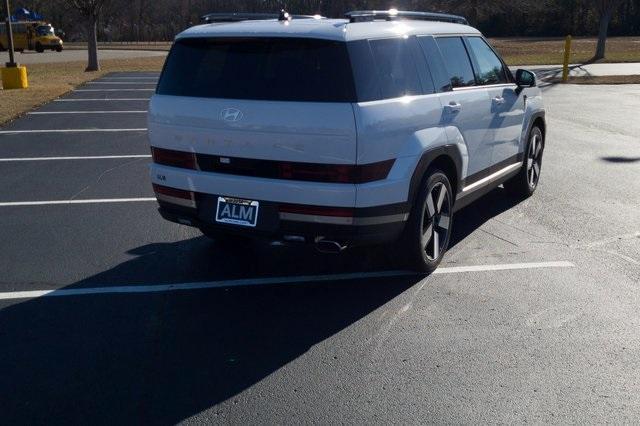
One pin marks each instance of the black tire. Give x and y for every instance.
(59, 49)
(524, 184)
(227, 240)
(39, 48)
(428, 231)
(2, 49)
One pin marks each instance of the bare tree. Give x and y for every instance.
(605, 9)
(90, 9)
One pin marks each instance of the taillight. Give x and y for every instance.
(175, 196)
(310, 172)
(374, 171)
(316, 172)
(169, 157)
(335, 173)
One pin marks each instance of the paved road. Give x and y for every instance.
(30, 57)
(236, 343)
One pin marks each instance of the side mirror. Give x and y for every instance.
(525, 78)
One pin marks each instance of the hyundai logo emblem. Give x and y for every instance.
(231, 115)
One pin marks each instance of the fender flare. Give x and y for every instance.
(449, 150)
(532, 119)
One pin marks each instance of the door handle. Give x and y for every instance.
(453, 107)
(498, 100)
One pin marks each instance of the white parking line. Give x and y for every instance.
(160, 288)
(94, 157)
(85, 112)
(7, 132)
(504, 267)
(59, 202)
(114, 90)
(100, 99)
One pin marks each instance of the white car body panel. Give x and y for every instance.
(285, 131)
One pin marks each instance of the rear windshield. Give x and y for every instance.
(277, 69)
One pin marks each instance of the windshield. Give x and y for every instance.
(45, 30)
(278, 69)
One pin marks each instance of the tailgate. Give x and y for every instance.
(311, 132)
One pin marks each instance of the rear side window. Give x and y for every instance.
(277, 69)
(489, 67)
(456, 61)
(397, 71)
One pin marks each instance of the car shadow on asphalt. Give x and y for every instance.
(620, 160)
(472, 217)
(163, 358)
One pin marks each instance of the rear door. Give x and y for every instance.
(286, 99)
(507, 105)
(466, 106)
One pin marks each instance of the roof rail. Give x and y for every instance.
(393, 14)
(241, 16)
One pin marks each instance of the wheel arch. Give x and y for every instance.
(446, 158)
(536, 119)
(540, 122)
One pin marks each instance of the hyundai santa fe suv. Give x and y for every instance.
(339, 132)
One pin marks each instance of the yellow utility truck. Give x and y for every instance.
(30, 35)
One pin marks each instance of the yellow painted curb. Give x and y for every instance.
(14, 78)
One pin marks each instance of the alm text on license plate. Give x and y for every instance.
(237, 211)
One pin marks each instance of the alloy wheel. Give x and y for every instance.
(533, 159)
(436, 221)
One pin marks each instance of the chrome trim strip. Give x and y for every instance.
(335, 220)
(486, 86)
(491, 177)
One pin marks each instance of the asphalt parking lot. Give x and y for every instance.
(109, 314)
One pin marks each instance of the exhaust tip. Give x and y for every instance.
(330, 247)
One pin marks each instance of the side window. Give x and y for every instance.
(456, 60)
(436, 66)
(397, 71)
(489, 67)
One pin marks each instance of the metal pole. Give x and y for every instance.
(12, 62)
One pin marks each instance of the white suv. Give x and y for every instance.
(339, 132)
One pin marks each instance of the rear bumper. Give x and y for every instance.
(368, 226)
(310, 210)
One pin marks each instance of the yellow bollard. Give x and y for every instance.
(567, 55)
(14, 78)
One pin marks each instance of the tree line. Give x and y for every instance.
(158, 20)
(154, 20)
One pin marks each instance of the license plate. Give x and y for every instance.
(237, 211)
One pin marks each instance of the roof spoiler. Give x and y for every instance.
(393, 14)
(241, 16)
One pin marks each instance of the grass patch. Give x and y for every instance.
(550, 51)
(604, 79)
(49, 81)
